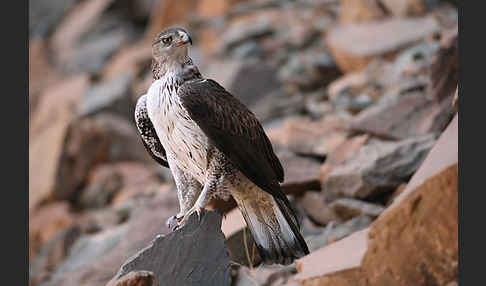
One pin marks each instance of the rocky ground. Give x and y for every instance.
(353, 94)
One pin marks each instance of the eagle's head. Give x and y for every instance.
(171, 45)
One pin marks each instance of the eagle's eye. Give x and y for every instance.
(167, 40)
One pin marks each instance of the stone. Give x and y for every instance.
(47, 222)
(129, 59)
(360, 11)
(354, 46)
(44, 16)
(48, 129)
(93, 141)
(300, 174)
(136, 278)
(244, 31)
(175, 258)
(405, 8)
(52, 254)
(311, 138)
(404, 116)
(277, 104)
(378, 167)
(403, 245)
(316, 208)
(270, 275)
(335, 231)
(309, 70)
(167, 13)
(347, 208)
(113, 96)
(95, 258)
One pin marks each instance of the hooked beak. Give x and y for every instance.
(184, 40)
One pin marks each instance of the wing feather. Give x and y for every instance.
(235, 131)
(147, 133)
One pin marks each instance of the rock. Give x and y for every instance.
(175, 258)
(378, 167)
(277, 104)
(128, 59)
(167, 13)
(353, 46)
(44, 16)
(404, 116)
(95, 258)
(405, 8)
(244, 31)
(52, 254)
(270, 275)
(347, 208)
(341, 154)
(136, 278)
(360, 11)
(47, 222)
(444, 74)
(101, 188)
(316, 208)
(336, 231)
(112, 96)
(93, 141)
(395, 249)
(212, 8)
(309, 70)
(301, 174)
(247, 50)
(312, 138)
(48, 128)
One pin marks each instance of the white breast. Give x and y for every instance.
(183, 141)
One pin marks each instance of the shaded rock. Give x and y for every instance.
(129, 59)
(45, 15)
(135, 278)
(113, 96)
(404, 8)
(404, 116)
(314, 138)
(309, 70)
(429, 202)
(52, 254)
(347, 208)
(47, 132)
(244, 31)
(301, 174)
(316, 208)
(378, 166)
(247, 50)
(92, 141)
(101, 188)
(175, 259)
(277, 104)
(336, 231)
(353, 46)
(46, 223)
(95, 258)
(269, 275)
(360, 11)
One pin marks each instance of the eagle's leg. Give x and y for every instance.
(201, 202)
(188, 190)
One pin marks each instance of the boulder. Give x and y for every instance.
(48, 130)
(136, 278)
(360, 11)
(347, 208)
(378, 167)
(301, 174)
(403, 245)
(44, 16)
(316, 208)
(193, 254)
(353, 46)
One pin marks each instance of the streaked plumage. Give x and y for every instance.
(215, 147)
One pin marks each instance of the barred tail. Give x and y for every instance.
(274, 227)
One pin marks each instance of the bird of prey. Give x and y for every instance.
(214, 147)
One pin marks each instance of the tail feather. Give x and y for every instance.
(275, 229)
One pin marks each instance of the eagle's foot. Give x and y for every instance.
(174, 222)
(194, 209)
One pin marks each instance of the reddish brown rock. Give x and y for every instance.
(301, 174)
(48, 129)
(353, 46)
(128, 59)
(404, 8)
(47, 222)
(135, 278)
(168, 13)
(347, 208)
(403, 245)
(316, 208)
(307, 137)
(360, 11)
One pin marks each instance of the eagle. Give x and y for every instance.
(215, 147)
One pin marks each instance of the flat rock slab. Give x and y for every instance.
(192, 255)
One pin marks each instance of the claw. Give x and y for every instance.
(190, 212)
(174, 222)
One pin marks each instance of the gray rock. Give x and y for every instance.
(247, 50)
(335, 231)
(195, 254)
(347, 208)
(45, 15)
(378, 166)
(239, 34)
(113, 96)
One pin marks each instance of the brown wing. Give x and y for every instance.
(235, 131)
